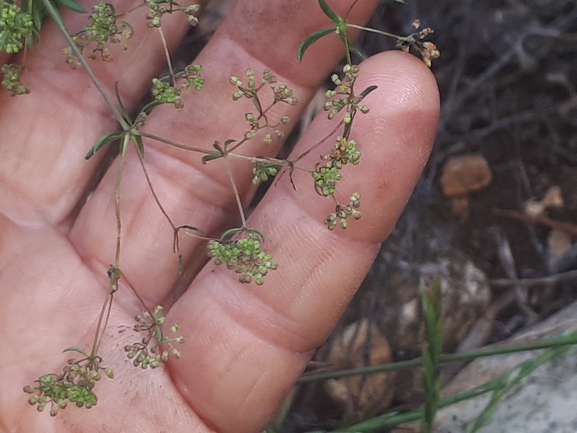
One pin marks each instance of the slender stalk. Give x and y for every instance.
(237, 145)
(167, 54)
(55, 15)
(103, 319)
(114, 272)
(380, 32)
(173, 143)
(348, 50)
(329, 135)
(152, 190)
(443, 359)
(432, 383)
(133, 290)
(350, 9)
(236, 194)
(496, 385)
(124, 147)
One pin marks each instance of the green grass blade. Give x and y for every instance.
(109, 138)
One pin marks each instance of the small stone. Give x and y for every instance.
(465, 173)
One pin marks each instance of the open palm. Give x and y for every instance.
(245, 344)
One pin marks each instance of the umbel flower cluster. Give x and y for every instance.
(15, 27)
(148, 352)
(103, 27)
(243, 255)
(73, 385)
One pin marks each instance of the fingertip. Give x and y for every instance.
(408, 83)
(395, 138)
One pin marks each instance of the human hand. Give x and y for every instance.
(245, 344)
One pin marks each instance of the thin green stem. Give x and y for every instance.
(261, 115)
(432, 383)
(55, 15)
(124, 147)
(253, 159)
(348, 50)
(350, 9)
(329, 135)
(236, 194)
(152, 190)
(114, 272)
(237, 145)
(443, 359)
(391, 420)
(173, 143)
(380, 32)
(102, 321)
(167, 54)
(136, 294)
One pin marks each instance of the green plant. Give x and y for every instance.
(241, 248)
(497, 387)
(430, 361)
(432, 382)
(73, 385)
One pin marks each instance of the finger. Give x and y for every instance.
(4, 58)
(250, 343)
(46, 134)
(259, 35)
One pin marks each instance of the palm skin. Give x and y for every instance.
(245, 344)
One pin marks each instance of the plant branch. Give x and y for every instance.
(236, 193)
(58, 19)
(173, 143)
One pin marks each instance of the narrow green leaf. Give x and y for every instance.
(211, 157)
(229, 233)
(123, 111)
(353, 49)
(368, 90)
(148, 107)
(26, 6)
(220, 152)
(256, 102)
(103, 142)
(228, 143)
(75, 349)
(193, 228)
(158, 332)
(330, 13)
(33, 39)
(37, 14)
(138, 144)
(258, 233)
(72, 5)
(311, 39)
(218, 147)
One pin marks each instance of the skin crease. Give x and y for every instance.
(245, 345)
